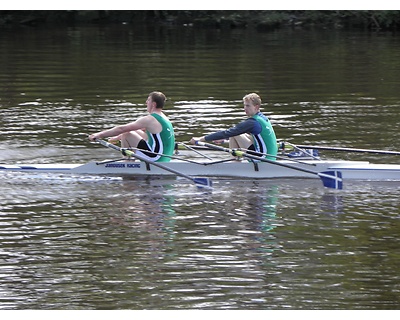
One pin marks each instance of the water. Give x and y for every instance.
(81, 242)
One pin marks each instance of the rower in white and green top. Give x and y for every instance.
(151, 136)
(254, 134)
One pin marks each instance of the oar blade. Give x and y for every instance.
(203, 183)
(332, 179)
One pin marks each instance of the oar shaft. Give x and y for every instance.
(194, 150)
(279, 157)
(350, 149)
(167, 156)
(132, 154)
(331, 179)
(250, 156)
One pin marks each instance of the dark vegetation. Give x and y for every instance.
(260, 19)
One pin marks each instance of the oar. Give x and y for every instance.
(330, 179)
(200, 182)
(194, 150)
(167, 156)
(260, 154)
(174, 157)
(350, 149)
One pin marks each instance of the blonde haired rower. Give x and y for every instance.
(255, 133)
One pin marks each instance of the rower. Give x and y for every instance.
(254, 134)
(152, 136)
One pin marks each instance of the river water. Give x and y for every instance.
(80, 242)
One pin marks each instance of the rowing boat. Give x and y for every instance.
(359, 170)
(250, 166)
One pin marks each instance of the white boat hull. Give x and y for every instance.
(358, 170)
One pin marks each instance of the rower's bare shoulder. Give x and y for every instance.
(148, 119)
(151, 124)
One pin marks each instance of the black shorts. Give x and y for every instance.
(143, 146)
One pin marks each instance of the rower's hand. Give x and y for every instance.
(194, 140)
(93, 137)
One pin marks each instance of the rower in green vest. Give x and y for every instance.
(254, 134)
(151, 136)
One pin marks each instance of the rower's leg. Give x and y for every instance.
(243, 141)
(131, 139)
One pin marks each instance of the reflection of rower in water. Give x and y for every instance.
(264, 206)
(255, 133)
(150, 214)
(260, 205)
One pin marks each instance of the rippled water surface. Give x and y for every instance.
(91, 242)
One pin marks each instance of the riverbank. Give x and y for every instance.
(262, 20)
